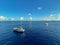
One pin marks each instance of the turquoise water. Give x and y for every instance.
(36, 33)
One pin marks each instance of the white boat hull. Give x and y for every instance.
(19, 30)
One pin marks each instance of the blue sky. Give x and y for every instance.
(21, 8)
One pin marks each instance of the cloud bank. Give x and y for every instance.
(3, 18)
(51, 17)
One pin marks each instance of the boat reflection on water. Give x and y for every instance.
(22, 35)
(30, 25)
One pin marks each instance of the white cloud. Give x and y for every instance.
(21, 18)
(58, 17)
(30, 18)
(12, 19)
(39, 8)
(3, 18)
(51, 15)
(29, 14)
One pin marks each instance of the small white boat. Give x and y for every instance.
(46, 24)
(21, 29)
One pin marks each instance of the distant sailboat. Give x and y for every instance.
(46, 24)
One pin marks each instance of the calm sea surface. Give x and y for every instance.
(36, 33)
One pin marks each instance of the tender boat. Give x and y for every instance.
(21, 29)
(46, 24)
